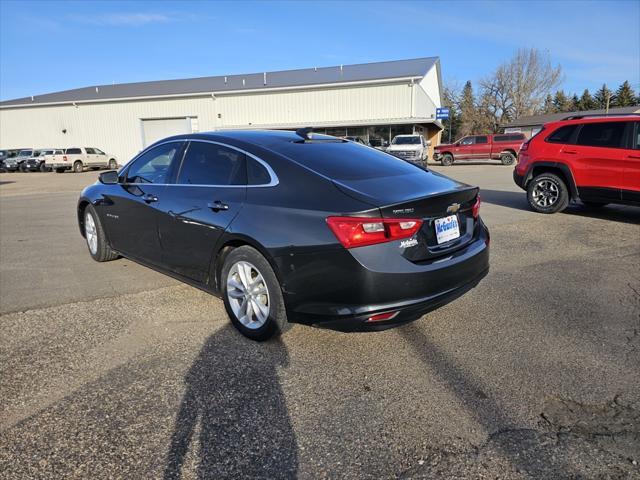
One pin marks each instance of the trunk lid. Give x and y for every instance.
(427, 196)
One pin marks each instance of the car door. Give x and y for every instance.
(209, 191)
(482, 148)
(463, 150)
(131, 208)
(101, 158)
(90, 156)
(631, 171)
(598, 160)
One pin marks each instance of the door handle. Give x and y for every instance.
(572, 152)
(217, 206)
(150, 198)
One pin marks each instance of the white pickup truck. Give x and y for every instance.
(413, 148)
(79, 158)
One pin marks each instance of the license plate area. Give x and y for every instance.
(447, 229)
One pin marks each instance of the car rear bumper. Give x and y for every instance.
(518, 179)
(355, 293)
(59, 165)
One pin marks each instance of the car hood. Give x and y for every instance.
(444, 145)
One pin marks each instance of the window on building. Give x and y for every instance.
(211, 164)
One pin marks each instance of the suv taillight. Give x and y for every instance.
(64, 158)
(360, 231)
(525, 146)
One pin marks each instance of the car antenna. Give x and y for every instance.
(305, 133)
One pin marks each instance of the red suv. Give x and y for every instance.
(593, 159)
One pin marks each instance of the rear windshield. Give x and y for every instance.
(346, 160)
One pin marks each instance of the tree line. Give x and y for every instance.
(522, 86)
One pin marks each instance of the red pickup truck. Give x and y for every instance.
(503, 147)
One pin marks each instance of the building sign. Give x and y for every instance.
(442, 113)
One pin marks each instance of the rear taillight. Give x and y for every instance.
(360, 231)
(64, 158)
(476, 207)
(525, 146)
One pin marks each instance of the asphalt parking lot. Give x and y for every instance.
(115, 371)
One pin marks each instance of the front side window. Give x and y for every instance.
(89, 151)
(636, 136)
(99, 152)
(468, 141)
(212, 164)
(153, 166)
(59, 152)
(482, 139)
(602, 134)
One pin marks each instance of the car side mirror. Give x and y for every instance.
(109, 178)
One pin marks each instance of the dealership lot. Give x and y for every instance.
(113, 370)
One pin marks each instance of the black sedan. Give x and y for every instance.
(292, 227)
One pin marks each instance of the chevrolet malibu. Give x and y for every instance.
(292, 227)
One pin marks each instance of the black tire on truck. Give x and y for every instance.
(447, 160)
(77, 167)
(507, 158)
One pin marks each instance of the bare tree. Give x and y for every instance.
(520, 86)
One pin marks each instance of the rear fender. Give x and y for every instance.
(558, 168)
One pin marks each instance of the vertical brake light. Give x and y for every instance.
(360, 231)
(476, 207)
(64, 158)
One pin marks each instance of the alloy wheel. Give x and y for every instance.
(91, 233)
(545, 193)
(248, 295)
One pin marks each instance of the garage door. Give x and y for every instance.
(159, 128)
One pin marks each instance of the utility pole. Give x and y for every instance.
(606, 110)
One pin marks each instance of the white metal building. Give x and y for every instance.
(375, 101)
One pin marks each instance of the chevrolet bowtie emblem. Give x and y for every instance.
(453, 208)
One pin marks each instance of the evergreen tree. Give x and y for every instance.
(561, 102)
(625, 96)
(586, 101)
(575, 103)
(467, 110)
(548, 106)
(601, 96)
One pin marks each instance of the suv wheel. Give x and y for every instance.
(547, 193)
(252, 294)
(447, 159)
(507, 158)
(96, 240)
(77, 167)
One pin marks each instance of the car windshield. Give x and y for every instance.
(406, 141)
(25, 153)
(37, 153)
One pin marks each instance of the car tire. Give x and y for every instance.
(594, 204)
(97, 244)
(23, 169)
(60, 170)
(77, 167)
(43, 167)
(547, 193)
(447, 160)
(245, 266)
(507, 158)
(112, 164)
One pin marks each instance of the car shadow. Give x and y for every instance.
(234, 401)
(518, 201)
(483, 409)
(6, 182)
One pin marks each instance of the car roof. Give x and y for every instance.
(593, 119)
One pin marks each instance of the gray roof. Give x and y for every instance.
(254, 81)
(536, 120)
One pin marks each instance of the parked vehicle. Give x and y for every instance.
(14, 164)
(6, 156)
(378, 143)
(52, 157)
(356, 139)
(79, 158)
(590, 158)
(503, 147)
(413, 148)
(35, 162)
(288, 228)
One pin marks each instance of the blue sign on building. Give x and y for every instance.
(442, 113)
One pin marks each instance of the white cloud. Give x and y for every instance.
(131, 19)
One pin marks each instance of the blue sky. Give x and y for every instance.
(51, 46)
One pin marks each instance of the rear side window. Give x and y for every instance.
(211, 164)
(59, 152)
(90, 151)
(257, 174)
(603, 134)
(636, 137)
(153, 166)
(73, 151)
(563, 134)
(508, 138)
(482, 139)
(346, 160)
